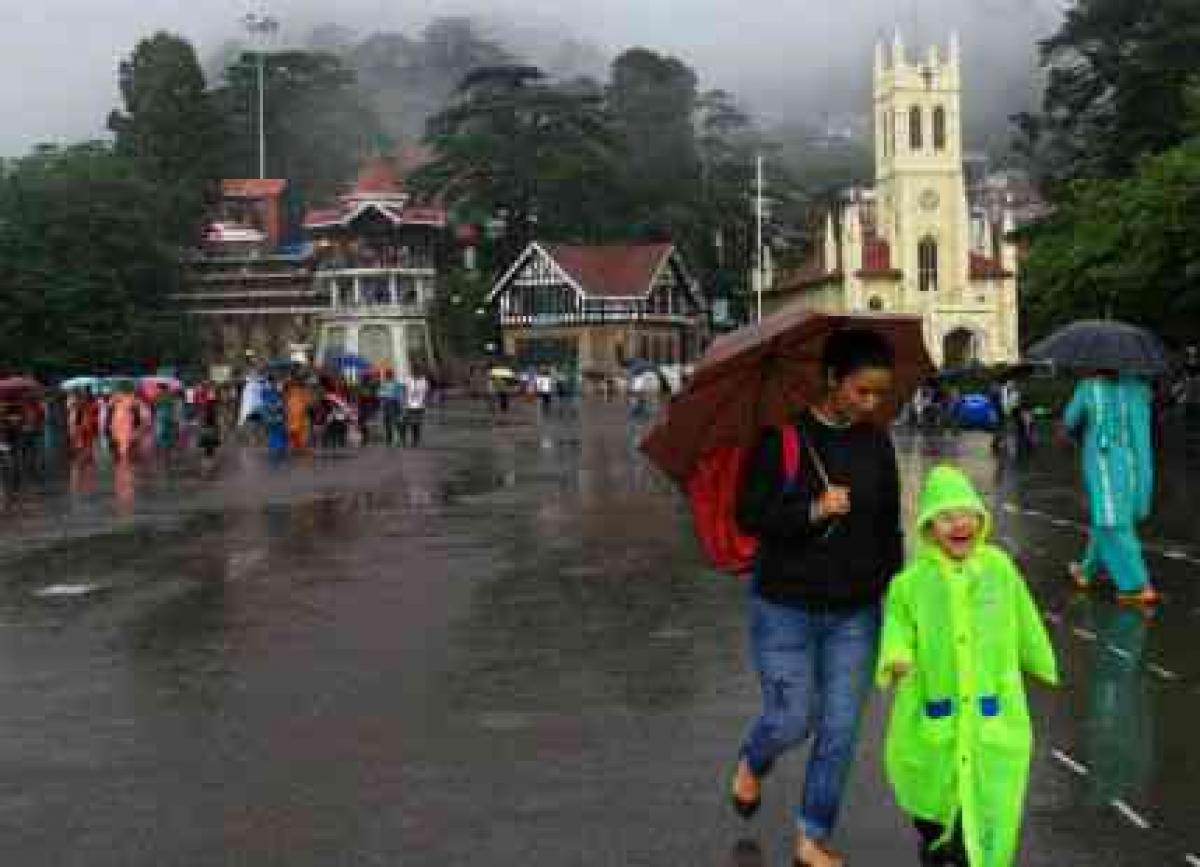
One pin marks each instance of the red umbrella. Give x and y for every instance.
(16, 388)
(761, 375)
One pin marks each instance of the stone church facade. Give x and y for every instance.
(915, 243)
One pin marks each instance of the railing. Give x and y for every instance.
(598, 317)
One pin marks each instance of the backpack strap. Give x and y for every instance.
(789, 440)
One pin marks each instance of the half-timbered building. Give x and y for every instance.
(596, 308)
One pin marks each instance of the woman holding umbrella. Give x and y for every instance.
(1111, 414)
(829, 542)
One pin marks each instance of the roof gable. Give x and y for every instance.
(614, 270)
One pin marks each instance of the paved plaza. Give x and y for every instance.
(503, 649)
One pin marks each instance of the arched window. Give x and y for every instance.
(927, 265)
(939, 128)
(876, 303)
(916, 137)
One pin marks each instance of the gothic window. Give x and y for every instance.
(916, 137)
(927, 265)
(939, 128)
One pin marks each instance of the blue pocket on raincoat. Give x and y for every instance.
(939, 709)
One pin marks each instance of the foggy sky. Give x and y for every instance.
(787, 58)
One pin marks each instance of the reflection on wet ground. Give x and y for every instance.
(498, 649)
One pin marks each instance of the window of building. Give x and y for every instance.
(916, 136)
(876, 303)
(939, 128)
(927, 265)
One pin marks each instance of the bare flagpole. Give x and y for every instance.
(759, 276)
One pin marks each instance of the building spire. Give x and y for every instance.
(898, 59)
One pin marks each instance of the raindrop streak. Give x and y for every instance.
(60, 591)
(1129, 813)
(1085, 634)
(1069, 762)
(1164, 673)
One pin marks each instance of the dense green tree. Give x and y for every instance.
(318, 125)
(1127, 248)
(653, 99)
(170, 129)
(86, 265)
(1117, 79)
(516, 145)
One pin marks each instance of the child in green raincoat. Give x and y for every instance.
(959, 629)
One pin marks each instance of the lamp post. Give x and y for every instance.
(261, 27)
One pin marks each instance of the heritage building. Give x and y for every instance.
(252, 299)
(915, 243)
(376, 259)
(597, 308)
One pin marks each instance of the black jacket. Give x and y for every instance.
(833, 564)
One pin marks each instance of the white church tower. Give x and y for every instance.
(910, 244)
(923, 211)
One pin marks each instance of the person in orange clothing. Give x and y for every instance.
(296, 402)
(124, 421)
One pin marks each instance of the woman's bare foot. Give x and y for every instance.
(747, 790)
(1082, 581)
(810, 853)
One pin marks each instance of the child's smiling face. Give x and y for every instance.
(955, 531)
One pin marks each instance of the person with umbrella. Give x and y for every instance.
(1110, 411)
(829, 542)
(1111, 415)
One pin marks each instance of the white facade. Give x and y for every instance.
(912, 243)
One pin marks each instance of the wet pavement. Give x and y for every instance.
(502, 649)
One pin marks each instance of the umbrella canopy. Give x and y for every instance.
(1099, 344)
(350, 361)
(762, 375)
(148, 386)
(19, 388)
(76, 382)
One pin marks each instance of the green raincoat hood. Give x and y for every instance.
(947, 488)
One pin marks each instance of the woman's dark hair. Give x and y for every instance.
(853, 349)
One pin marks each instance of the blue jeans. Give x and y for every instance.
(815, 670)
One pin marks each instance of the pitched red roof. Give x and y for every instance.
(986, 268)
(612, 271)
(322, 216)
(252, 188)
(377, 177)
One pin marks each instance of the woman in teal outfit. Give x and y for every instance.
(1111, 413)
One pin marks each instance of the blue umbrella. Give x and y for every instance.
(350, 361)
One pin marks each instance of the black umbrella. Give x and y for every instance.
(1097, 344)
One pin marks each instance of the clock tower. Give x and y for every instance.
(921, 197)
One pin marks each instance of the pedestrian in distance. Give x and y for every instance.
(959, 629)
(829, 542)
(393, 395)
(543, 384)
(1110, 413)
(416, 398)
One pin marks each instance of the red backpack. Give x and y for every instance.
(713, 491)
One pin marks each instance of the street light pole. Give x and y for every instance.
(759, 276)
(261, 26)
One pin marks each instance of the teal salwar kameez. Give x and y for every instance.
(1112, 415)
